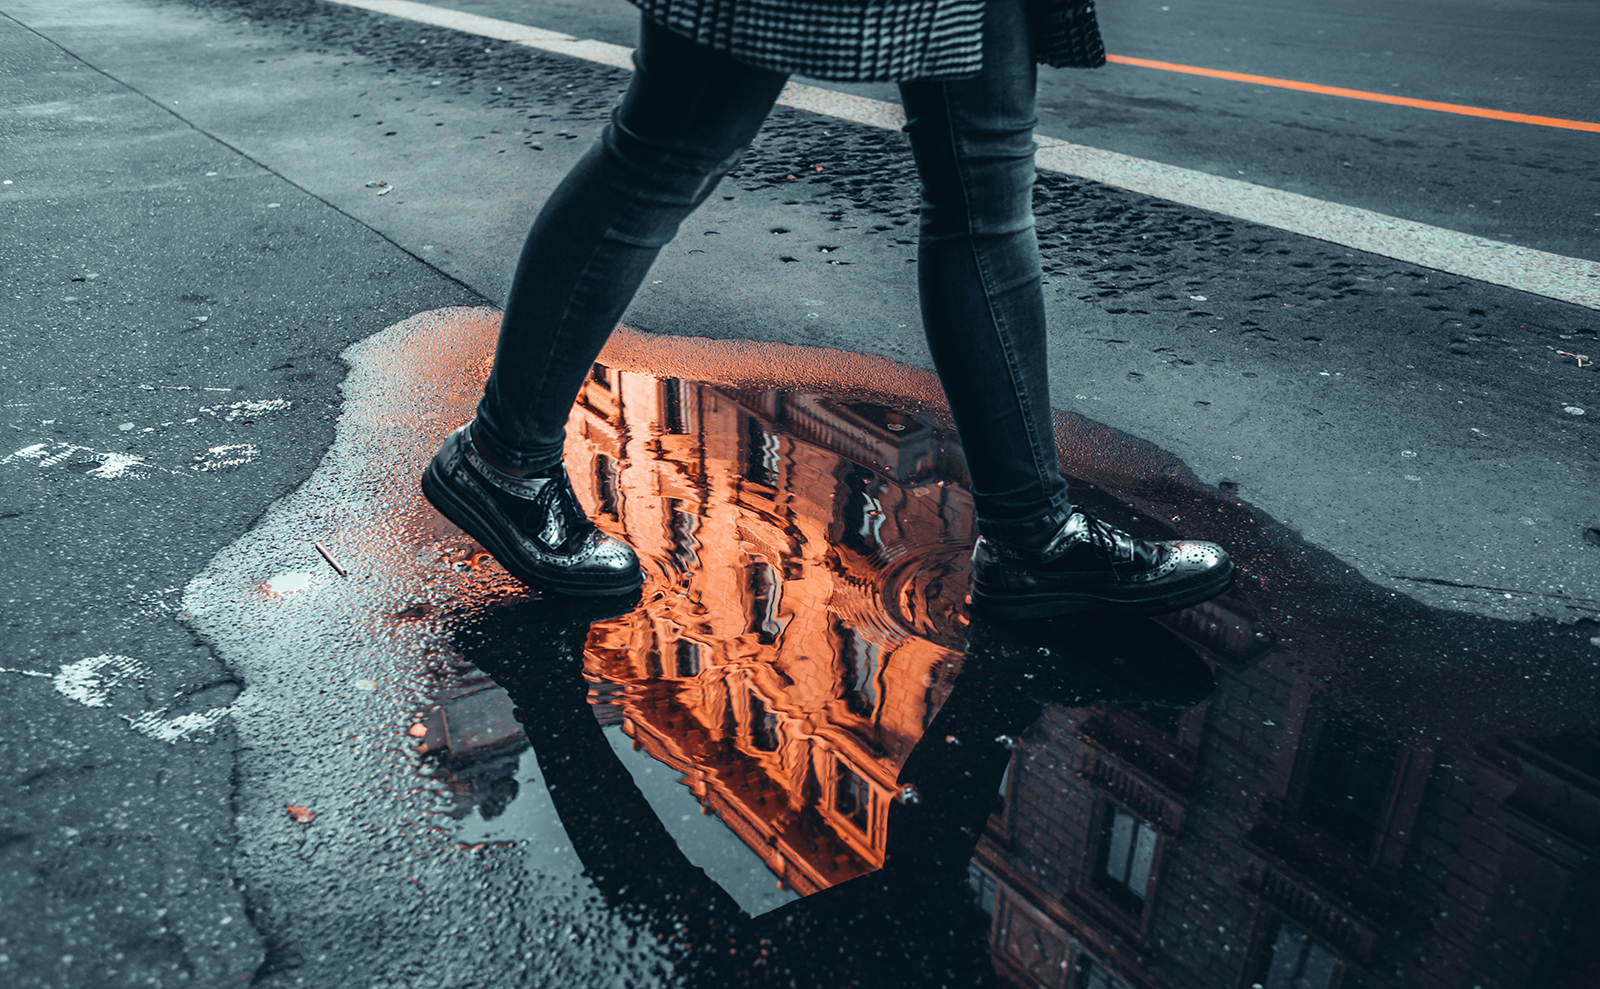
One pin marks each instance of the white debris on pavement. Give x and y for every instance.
(55, 453)
(90, 681)
(238, 410)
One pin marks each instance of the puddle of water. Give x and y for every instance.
(806, 621)
(787, 535)
(285, 584)
(1309, 783)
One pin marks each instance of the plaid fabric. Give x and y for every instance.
(842, 40)
(873, 40)
(1066, 34)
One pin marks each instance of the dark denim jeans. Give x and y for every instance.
(688, 115)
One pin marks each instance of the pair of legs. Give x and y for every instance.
(688, 115)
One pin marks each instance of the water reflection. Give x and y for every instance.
(1067, 805)
(911, 921)
(799, 638)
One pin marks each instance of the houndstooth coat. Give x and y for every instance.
(873, 40)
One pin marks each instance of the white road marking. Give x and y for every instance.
(156, 725)
(225, 456)
(56, 453)
(120, 466)
(90, 681)
(1553, 276)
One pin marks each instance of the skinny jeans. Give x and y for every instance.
(688, 115)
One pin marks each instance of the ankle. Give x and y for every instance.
(1036, 538)
(500, 465)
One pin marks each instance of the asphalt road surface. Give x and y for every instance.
(1530, 185)
(251, 250)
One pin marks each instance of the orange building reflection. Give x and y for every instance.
(813, 556)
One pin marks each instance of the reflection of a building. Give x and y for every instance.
(807, 634)
(813, 554)
(1260, 840)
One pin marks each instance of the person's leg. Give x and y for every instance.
(980, 280)
(688, 115)
(983, 310)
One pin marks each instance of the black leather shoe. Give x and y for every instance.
(533, 525)
(1090, 565)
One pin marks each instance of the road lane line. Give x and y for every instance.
(1358, 94)
(1554, 276)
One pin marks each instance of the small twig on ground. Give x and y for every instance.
(341, 571)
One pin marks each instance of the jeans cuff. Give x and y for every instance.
(483, 437)
(1029, 531)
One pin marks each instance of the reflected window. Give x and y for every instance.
(1093, 975)
(870, 526)
(984, 887)
(861, 660)
(766, 594)
(673, 419)
(686, 658)
(652, 659)
(1129, 854)
(763, 726)
(1347, 786)
(863, 516)
(685, 545)
(605, 485)
(1166, 720)
(600, 375)
(853, 798)
(1297, 962)
(760, 453)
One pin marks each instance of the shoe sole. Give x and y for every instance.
(467, 517)
(1054, 604)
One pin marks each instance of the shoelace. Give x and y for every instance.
(1101, 533)
(564, 503)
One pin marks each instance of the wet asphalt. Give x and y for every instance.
(1505, 181)
(172, 354)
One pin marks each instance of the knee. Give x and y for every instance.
(662, 169)
(649, 188)
(986, 195)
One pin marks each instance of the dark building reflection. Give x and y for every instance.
(1263, 839)
(807, 623)
(475, 739)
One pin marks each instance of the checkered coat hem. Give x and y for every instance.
(871, 40)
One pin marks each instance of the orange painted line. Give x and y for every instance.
(1358, 94)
